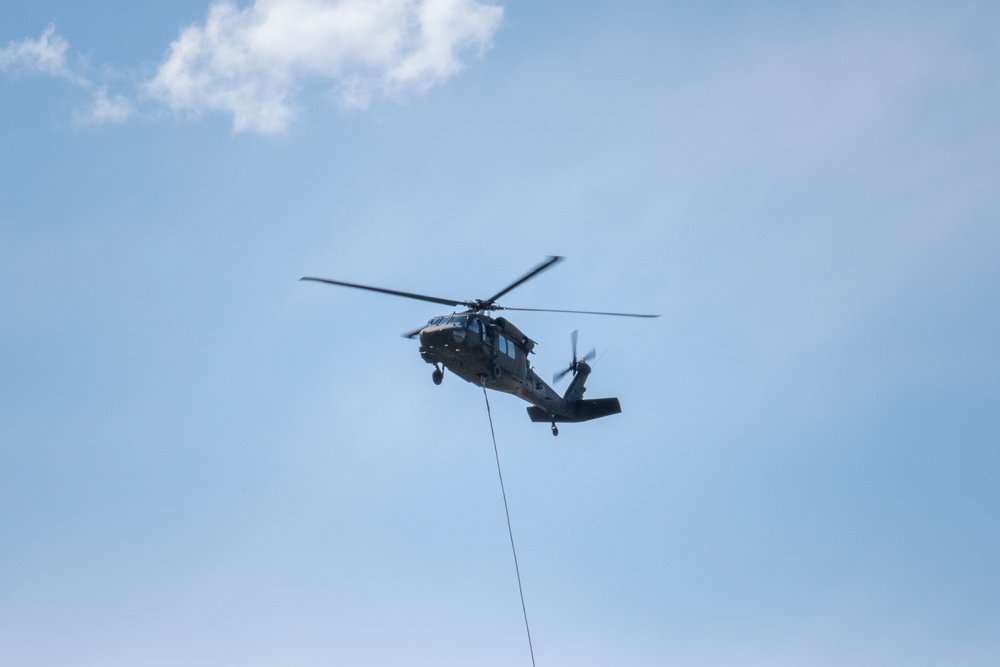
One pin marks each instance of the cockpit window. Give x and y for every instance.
(459, 321)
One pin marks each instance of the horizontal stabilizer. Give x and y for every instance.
(582, 411)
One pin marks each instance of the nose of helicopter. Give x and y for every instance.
(442, 336)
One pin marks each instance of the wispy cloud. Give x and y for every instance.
(251, 62)
(45, 55)
(106, 109)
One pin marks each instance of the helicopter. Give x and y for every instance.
(493, 353)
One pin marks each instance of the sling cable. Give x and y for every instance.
(509, 530)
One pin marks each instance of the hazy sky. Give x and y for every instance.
(204, 461)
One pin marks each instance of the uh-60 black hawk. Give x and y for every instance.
(493, 353)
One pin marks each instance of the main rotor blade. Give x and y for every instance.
(408, 295)
(526, 277)
(579, 312)
(413, 334)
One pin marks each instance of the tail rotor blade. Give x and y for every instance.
(573, 365)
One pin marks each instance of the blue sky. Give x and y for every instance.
(204, 461)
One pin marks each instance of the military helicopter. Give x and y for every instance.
(493, 353)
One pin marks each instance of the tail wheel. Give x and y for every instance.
(437, 376)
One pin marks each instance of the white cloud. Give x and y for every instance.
(105, 109)
(251, 62)
(46, 55)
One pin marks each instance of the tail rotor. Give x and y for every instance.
(575, 365)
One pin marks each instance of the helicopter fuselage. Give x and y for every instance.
(493, 353)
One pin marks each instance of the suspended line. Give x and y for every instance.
(509, 531)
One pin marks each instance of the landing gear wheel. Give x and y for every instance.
(437, 375)
(555, 430)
